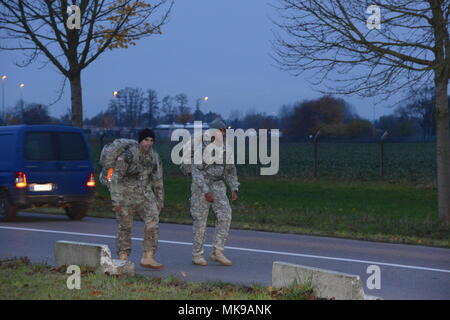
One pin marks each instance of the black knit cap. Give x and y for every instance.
(145, 133)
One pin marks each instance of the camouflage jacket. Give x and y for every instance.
(141, 172)
(203, 174)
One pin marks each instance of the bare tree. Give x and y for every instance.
(422, 108)
(152, 107)
(115, 110)
(167, 109)
(45, 28)
(183, 111)
(128, 107)
(346, 47)
(103, 120)
(35, 113)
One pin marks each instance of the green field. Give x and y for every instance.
(411, 163)
(403, 162)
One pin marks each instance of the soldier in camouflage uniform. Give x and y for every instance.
(208, 189)
(137, 187)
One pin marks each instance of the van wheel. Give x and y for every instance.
(77, 210)
(7, 210)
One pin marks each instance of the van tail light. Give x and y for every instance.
(91, 181)
(21, 180)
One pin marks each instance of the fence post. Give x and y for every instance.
(383, 137)
(316, 163)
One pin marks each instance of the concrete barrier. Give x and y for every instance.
(91, 255)
(327, 284)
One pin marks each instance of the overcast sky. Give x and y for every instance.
(215, 48)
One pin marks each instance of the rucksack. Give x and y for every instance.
(111, 152)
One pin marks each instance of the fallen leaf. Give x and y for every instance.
(96, 293)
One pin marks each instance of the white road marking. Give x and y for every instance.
(239, 249)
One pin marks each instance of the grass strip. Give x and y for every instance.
(21, 279)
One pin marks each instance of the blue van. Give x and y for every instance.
(44, 165)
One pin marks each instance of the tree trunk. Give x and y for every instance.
(442, 146)
(76, 99)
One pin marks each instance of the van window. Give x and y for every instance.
(40, 146)
(72, 146)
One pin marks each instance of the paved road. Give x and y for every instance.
(407, 272)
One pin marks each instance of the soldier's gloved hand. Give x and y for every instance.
(209, 197)
(234, 196)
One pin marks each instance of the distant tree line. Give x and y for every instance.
(415, 118)
(31, 113)
(132, 107)
(334, 117)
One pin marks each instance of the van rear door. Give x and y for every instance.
(74, 163)
(57, 158)
(41, 162)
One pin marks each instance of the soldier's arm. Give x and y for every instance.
(198, 178)
(231, 177)
(157, 181)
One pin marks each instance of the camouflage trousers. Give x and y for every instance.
(126, 204)
(200, 210)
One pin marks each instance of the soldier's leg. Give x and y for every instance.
(199, 212)
(222, 210)
(150, 215)
(124, 217)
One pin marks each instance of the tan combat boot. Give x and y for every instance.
(147, 261)
(217, 255)
(199, 260)
(123, 256)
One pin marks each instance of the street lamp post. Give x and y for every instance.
(204, 99)
(22, 85)
(4, 77)
(199, 102)
(116, 105)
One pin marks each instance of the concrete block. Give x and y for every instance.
(327, 284)
(91, 255)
